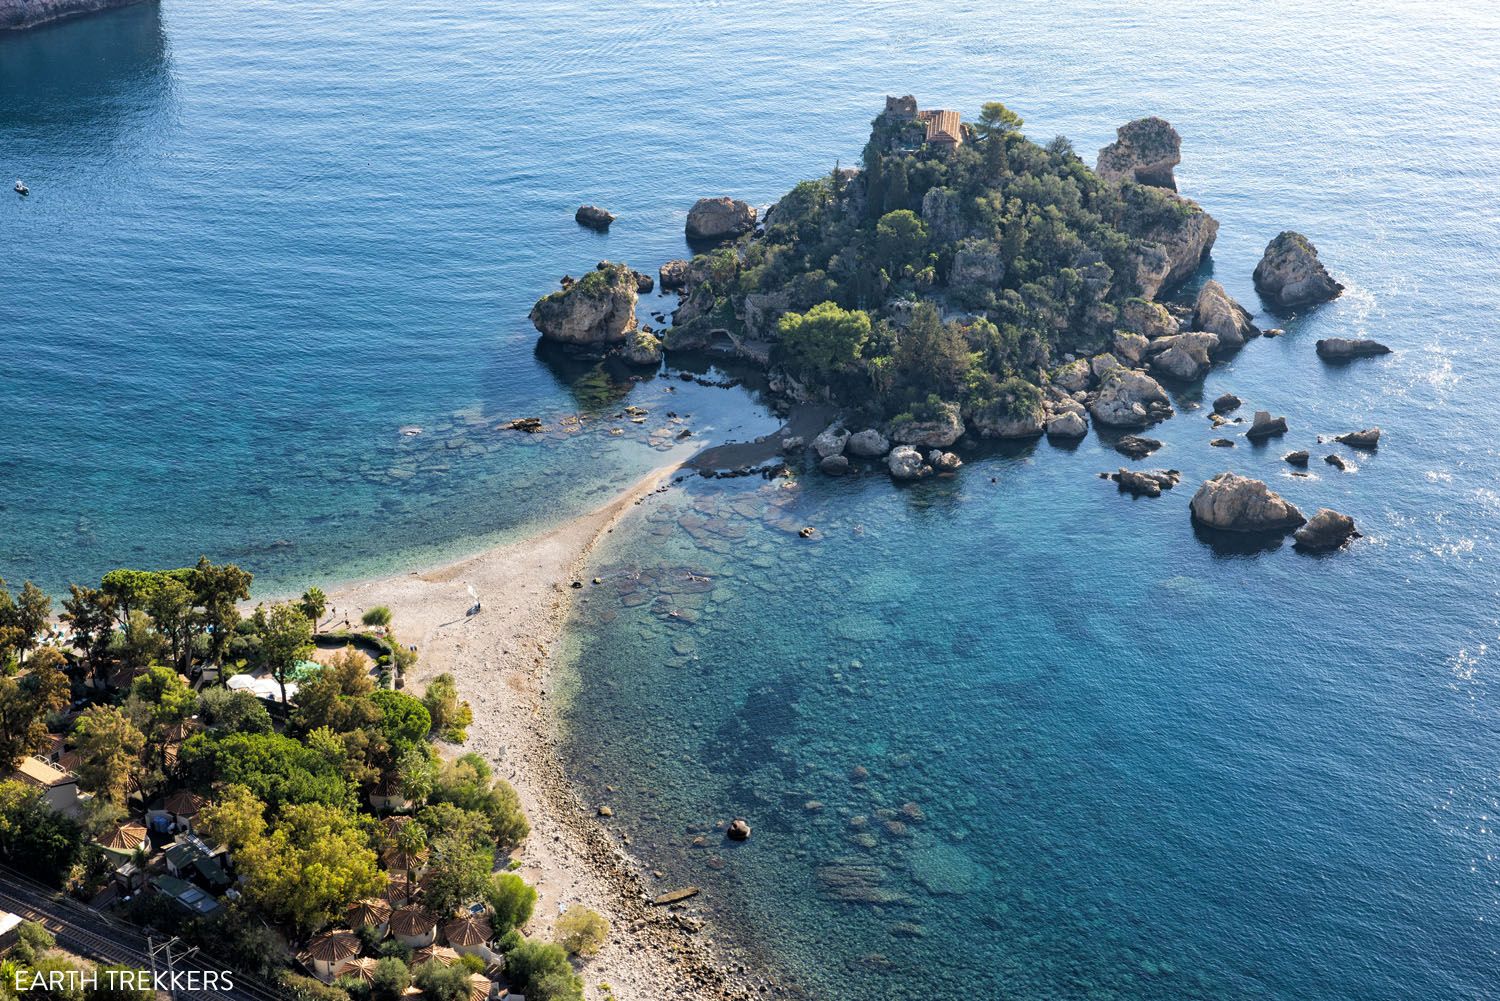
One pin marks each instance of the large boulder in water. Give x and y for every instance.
(593, 217)
(642, 348)
(1289, 273)
(831, 441)
(1130, 399)
(1184, 356)
(906, 463)
(1345, 348)
(1144, 151)
(597, 309)
(1328, 529)
(1233, 503)
(938, 430)
(868, 444)
(1217, 313)
(719, 219)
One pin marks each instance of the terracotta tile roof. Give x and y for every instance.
(479, 987)
(40, 773)
(944, 126)
(434, 954)
(126, 837)
(471, 929)
(369, 912)
(412, 921)
(363, 968)
(183, 803)
(334, 946)
(396, 858)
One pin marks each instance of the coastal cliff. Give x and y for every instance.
(18, 14)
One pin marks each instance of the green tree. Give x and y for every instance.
(32, 610)
(465, 782)
(457, 873)
(90, 612)
(511, 899)
(26, 702)
(379, 616)
(235, 818)
(390, 980)
(451, 716)
(138, 645)
(276, 768)
(129, 590)
(338, 696)
(285, 640)
(314, 603)
(109, 749)
(233, 711)
(995, 119)
(442, 983)
(33, 837)
(219, 591)
(541, 971)
(403, 721)
(581, 931)
(823, 341)
(900, 240)
(171, 609)
(313, 865)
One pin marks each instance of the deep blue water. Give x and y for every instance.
(261, 240)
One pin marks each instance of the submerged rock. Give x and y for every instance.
(1369, 438)
(1328, 529)
(1217, 313)
(1344, 348)
(719, 219)
(1233, 503)
(1289, 273)
(1144, 151)
(593, 217)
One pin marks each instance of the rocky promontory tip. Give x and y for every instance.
(719, 219)
(1144, 151)
(1233, 503)
(18, 14)
(1290, 275)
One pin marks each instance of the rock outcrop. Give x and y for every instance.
(1129, 348)
(1067, 426)
(831, 441)
(938, 431)
(1217, 313)
(1001, 420)
(1144, 151)
(868, 444)
(1145, 482)
(1298, 458)
(834, 465)
(1174, 234)
(673, 275)
(642, 348)
(1074, 376)
(1227, 404)
(1266, 426)
(1149, 319)
(597, 309)
(1367, 439)
(1289, 273)
(1328, 529)
(17, 14)
(593, 217)
(1184, 356)
(719, 219)
(906, 463)
(1344, 348)
(943, 462)
(1130, 399)
(1136, 447)
(1233, 503)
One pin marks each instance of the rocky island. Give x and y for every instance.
(963, 282)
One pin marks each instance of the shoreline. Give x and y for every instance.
(503, 660)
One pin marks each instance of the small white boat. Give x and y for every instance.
(21, 187)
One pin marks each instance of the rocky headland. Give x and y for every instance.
(18, 14)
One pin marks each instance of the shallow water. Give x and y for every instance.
(260, 241)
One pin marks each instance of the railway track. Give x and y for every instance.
(103, 938)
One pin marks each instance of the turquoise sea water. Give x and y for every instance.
(1061, 747)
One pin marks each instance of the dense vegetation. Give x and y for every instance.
(933, 275)
(287, 787)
